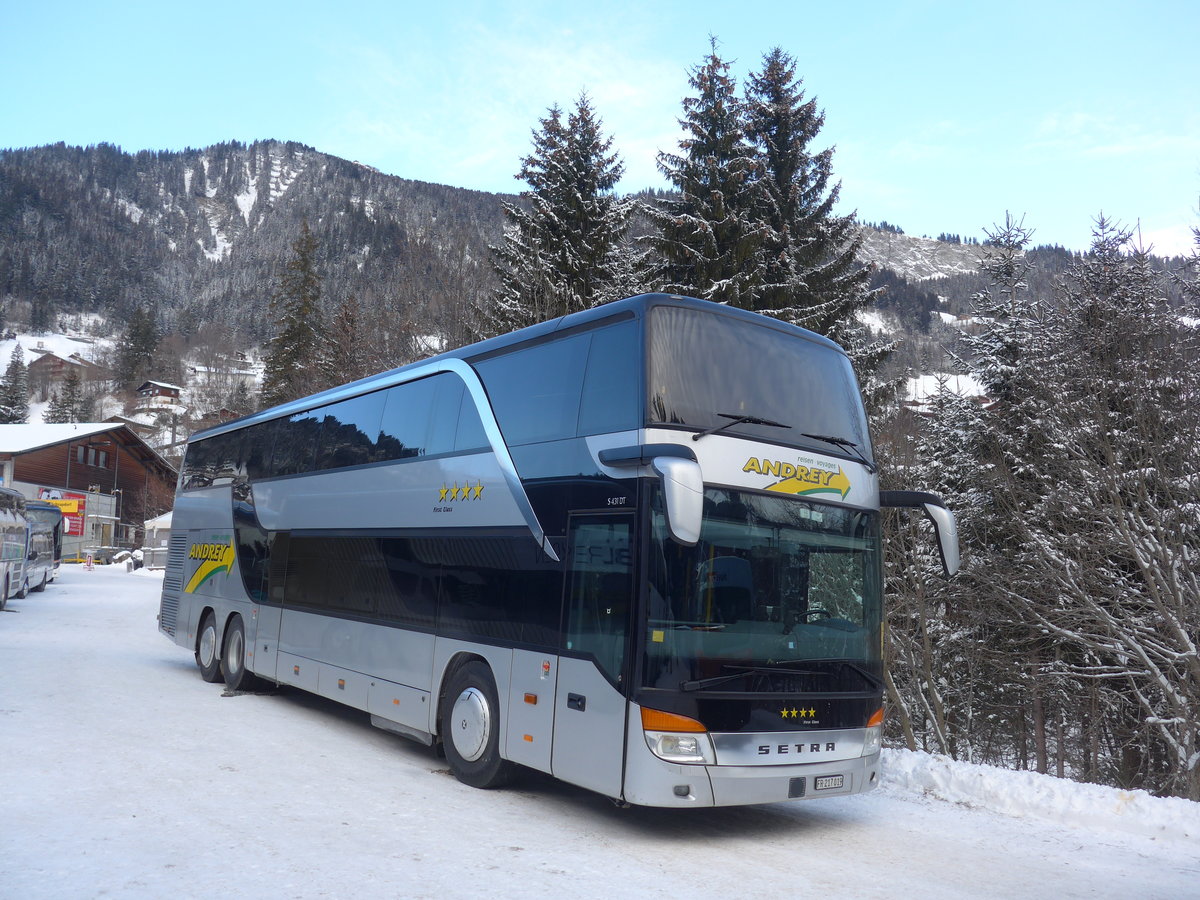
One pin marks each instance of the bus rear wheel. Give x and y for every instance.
(471, 728)
(233, 660)
(207, 657)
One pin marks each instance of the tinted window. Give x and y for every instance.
(448, 393)
(432, 415)
(405, 429)
(470, 434)
(535, 392)
(498, 587)
(703, 365)
(612, 384)
(295, 444)
(349, 431)
(597, 610)
(258, 447)
(213, 461)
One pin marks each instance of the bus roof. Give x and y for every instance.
(632, 307)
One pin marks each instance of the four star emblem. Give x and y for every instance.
(794, 713)
(465, 491)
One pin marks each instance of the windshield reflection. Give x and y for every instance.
(787, 587)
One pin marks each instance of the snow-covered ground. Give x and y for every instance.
(33, 345)
(123, 775)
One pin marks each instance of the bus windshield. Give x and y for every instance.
(769, 385)
(779, 594)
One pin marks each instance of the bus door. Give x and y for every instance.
(589, 707)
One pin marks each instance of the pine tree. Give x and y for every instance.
(14, 390)
(811, 276)
(292, 366)
(135, 352)
(561, 248)
(709, 235)
(347, 352)
(70, 405)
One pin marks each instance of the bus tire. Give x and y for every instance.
(4, 596)
(207, 657)
(233, 660)
(471, 727)
(24, 591)
(42, 585)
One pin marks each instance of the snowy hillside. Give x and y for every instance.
(125, 775)
(916, 258)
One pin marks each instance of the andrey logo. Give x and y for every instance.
(800, 480)
(214, 559)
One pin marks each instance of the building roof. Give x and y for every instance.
(23, 438)
(160, 384)
(159, 522)
(16, 439)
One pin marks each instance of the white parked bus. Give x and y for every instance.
(637, 548)
(14, 546)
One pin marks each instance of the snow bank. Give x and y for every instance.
(1029, 795)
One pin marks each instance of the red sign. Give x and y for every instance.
(73, 506)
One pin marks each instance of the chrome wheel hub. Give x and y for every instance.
(470, 724)
(208, 646)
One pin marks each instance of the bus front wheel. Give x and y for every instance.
(207, 657)
(471, 728)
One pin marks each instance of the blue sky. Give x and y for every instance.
(944, 116)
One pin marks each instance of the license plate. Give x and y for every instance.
(828, 782)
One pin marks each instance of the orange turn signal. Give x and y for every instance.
(657, 720)
(876, 719)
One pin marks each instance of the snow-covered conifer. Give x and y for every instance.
(562, 247)
(292, 365)
(709, 235)
(811, 276)
(14, 390)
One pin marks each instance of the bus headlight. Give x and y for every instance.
(676, 738)
(874, 736)
(681, 748)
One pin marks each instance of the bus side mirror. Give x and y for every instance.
(683, 496)
(944, 525)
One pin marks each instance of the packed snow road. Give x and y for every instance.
(124, 775)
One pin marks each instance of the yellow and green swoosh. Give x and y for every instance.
(215, 558)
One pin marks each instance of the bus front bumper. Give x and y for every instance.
(650, 781)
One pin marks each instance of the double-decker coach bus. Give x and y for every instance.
(637, 548)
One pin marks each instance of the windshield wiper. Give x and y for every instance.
(742, 672)
(843, 442)
(737, 420)
(874, 680)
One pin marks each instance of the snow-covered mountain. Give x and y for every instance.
(917, 258)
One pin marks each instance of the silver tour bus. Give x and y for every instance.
(637, 548)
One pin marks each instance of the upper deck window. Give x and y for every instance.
(582, 384)
(705, 368)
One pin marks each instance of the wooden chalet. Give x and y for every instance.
(107, 480)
